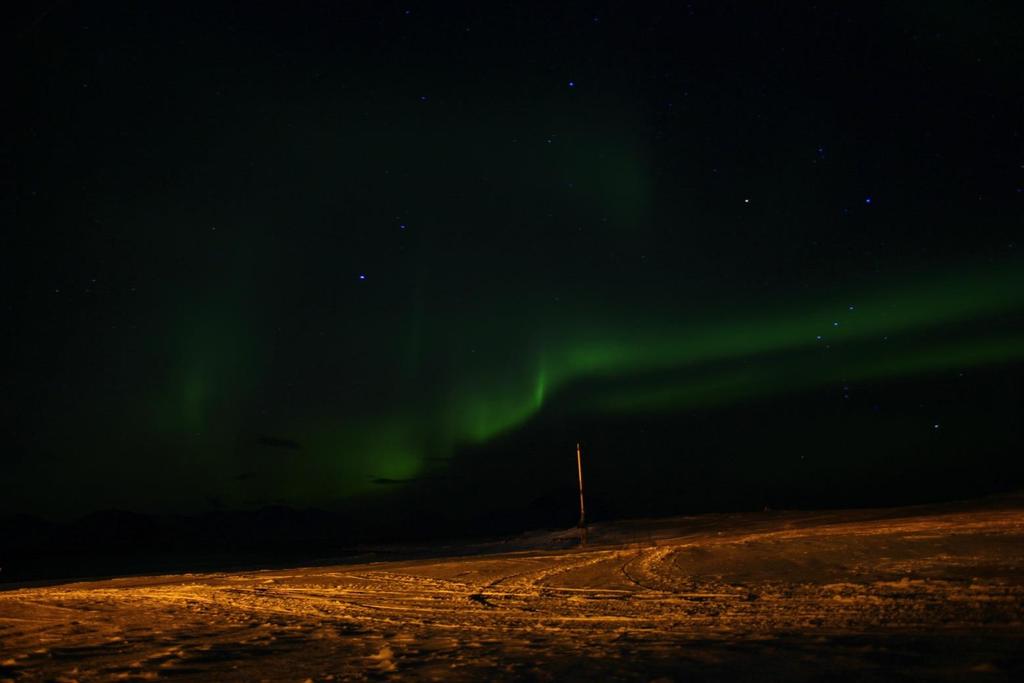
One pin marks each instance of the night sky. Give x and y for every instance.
(401, 257)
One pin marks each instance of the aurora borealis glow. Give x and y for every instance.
(632, 367)
(333, 269)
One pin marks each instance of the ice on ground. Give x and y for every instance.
(916, 593)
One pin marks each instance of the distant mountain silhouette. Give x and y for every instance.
(121, 541)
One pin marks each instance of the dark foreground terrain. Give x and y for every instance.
(932, 593)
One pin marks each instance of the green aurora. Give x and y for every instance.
(318, 272)
(934, 324)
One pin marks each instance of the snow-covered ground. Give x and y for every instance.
(907, 594)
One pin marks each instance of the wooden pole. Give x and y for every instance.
(579, 471)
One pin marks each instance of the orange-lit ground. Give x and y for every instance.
(934, 593)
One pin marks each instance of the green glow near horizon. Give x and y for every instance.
(657, 366)
(748, 355)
